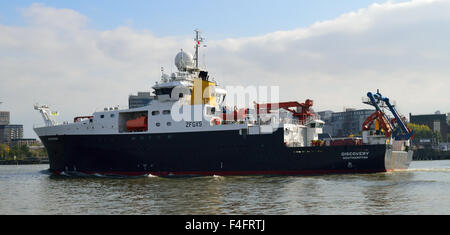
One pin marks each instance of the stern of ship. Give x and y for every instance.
(397, 160)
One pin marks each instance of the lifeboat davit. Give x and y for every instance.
(139, 124)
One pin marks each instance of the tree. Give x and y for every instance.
(20, 151)
(421, 131)
(424, 132)
(4, 150)
(41, 152)
(24, 150)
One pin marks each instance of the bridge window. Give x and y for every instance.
(164, 91)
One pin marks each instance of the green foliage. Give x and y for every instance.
(4, 151)
(421, 131)
(424, 132)
(39, 152)
(20, 152)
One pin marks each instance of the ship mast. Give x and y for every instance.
(198, 40)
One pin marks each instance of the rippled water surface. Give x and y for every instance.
(423, 189)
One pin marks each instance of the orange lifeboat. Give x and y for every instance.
(139, 124)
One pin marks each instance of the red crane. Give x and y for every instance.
(302, 115)
(384, 123)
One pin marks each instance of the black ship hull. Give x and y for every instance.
(212, 153)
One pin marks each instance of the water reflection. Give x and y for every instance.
(336, 194)
(384, 192)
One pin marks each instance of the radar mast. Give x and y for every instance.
(198, 40)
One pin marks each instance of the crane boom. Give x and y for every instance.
(46, 114)
(399, 132)
(301, 115)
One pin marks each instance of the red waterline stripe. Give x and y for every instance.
(229, 173)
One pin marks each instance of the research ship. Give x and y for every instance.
(187, 129)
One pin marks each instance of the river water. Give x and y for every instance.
(423, 189)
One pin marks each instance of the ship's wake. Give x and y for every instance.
(411, 170)
(77, 174)
(428, 170)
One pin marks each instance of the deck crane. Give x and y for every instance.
(47, 114)
(396, 128)
(302, 115)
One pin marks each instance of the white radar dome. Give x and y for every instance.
(184, 60)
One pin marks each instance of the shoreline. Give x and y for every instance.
(31, 161)
(430, 155)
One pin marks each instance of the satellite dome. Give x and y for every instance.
(184, 60)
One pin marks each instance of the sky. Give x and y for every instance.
(219, 18)
(80, 56)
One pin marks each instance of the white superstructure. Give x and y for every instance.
(184, 101)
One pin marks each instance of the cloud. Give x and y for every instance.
(39, 15)
(400, 48)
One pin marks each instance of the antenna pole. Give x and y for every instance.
(198, 39)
